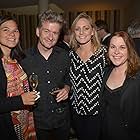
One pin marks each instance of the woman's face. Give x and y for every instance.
(83, 31)
(9, 34)
(118, 52)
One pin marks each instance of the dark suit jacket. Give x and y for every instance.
(137, 45)
(106, 41)
(129, 105)
(7, 105)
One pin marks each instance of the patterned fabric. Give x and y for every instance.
(86, 78)
(17, 84)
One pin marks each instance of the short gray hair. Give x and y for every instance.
(134, 28)
(51, 16)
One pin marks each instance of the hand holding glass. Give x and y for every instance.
(59, 108)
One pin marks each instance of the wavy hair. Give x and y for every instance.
(51, 16)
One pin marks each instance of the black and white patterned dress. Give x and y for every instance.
(86, 78)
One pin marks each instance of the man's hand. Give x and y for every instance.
(62, 93)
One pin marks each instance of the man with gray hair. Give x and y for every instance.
(51, 64)
(133, 30)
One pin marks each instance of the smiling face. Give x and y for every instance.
(9, 34)
(48, 34)
(118, 51)
(83, 31)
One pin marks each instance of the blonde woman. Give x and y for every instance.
(86, 73)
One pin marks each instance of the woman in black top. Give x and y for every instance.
(121, 91)
(16, 119)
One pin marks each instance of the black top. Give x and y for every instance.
(52, 73)
(112, 122)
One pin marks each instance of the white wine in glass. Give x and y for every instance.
(33, 80)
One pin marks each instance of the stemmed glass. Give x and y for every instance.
(33, 80)
(54, 93)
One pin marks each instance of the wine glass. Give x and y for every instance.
(33, 80)
(54, 93)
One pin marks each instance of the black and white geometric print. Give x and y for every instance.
(86, 78)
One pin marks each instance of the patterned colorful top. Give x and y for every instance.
(17, 84)
(86, 78)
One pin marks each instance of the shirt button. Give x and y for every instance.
(52, 111)
(47, 71)
(51, 102)
(49, 82)
(125, 125)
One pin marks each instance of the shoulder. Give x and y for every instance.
(61, 51)
(107, 71)
(30, 51)
(60, 55)
(63, 45)
(29, 56)
(132, 86)
(138, 75)
(134, 80)
(71, 52)
(102, 50)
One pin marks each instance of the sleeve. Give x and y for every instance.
(8, 104)
(67, 77)
(131, 105)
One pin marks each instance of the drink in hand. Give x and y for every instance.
(33, 79)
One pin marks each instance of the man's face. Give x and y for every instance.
(48, 34)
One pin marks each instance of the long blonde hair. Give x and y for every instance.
(73, 42)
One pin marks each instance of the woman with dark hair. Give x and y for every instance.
(121, 90)
(16, 120)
